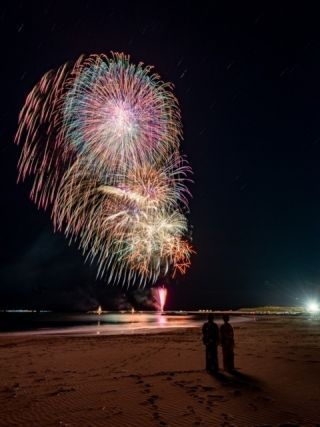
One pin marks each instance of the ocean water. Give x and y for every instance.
(109, 323)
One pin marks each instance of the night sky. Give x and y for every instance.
(248, 83)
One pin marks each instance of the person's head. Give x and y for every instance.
(210, 317)
(225, 318)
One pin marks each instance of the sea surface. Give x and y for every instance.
(109, 323)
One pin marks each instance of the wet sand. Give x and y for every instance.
(159, 379)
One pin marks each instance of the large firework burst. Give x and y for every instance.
(101, 140)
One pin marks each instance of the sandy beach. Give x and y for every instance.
(159, 379)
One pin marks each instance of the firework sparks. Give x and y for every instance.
(101, 138)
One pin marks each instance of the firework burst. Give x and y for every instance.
(101, 139)
(118, 114)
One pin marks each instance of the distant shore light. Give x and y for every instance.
(313, 307)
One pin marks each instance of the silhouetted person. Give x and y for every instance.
(210, 339)
(227, 343)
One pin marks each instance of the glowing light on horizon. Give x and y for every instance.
(313, 307)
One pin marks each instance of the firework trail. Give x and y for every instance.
(101, 140)
(161, 296)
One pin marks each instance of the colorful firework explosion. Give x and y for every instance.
(101, 140)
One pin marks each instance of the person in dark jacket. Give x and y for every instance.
(227, 343)
(210, 338)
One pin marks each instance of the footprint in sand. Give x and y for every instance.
(253, 406)
(191, 409)
(152, 399)
(61, 390)
(208, 388)
(217, 397)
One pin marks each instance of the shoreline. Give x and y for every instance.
(127, 324)
(160, 380)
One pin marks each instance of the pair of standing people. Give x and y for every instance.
(212, 337)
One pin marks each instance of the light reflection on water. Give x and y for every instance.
(117, 323)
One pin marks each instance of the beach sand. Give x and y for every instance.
(159, 379)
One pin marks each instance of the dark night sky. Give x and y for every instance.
(248, 82)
